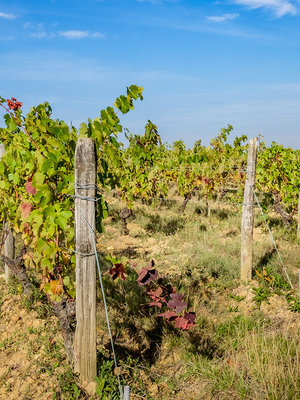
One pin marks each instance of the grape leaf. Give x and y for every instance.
(29, 188)
(25, 210)
(185, 322)
(117, 271)
(169, 315)
(177, 303)
(147, 274)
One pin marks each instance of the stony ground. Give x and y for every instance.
(30, 351)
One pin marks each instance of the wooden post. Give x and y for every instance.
(85, 358)
(9, 249)
(298, 229)
(9, 242)
(248, 214)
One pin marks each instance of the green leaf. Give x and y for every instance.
(83, 130)
(39, 179)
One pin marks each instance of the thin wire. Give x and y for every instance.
(78, 252)
(88, 198)
(88, 186)
(104, 301)
(272, 237)
(82, 255)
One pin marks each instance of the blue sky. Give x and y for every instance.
(203, 64)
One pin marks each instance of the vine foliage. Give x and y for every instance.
(37, 184)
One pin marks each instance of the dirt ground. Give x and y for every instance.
(31, 351)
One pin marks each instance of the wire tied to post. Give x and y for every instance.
(88, 186)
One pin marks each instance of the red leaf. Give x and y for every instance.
(26, 228)
(155, 303)
(190, 316)
(176, 296)
(178, 306)
(29, 188)
(117, 271)
(25, 210)
(176, 302)
(169, 315)
(185, 322)
(158, 292)
(181, 323)
(13, 104)
(157, 297)
(147, 275)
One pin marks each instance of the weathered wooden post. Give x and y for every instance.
(248, 214)
(9, 242)
(9, 248)
(85, 359)
(298, 229)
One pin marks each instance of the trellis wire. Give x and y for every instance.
(271, 236)
(88, 186)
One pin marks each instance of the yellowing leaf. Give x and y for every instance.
(56, 288)
(258, 274)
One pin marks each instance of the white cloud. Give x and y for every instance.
(222, 18)
(37, 31)
(73, 34)
(97, 35)
(7, 15)
(280, 7)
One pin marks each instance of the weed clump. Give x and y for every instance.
(168, 227)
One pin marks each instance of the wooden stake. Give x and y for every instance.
(85, 358)
(298, 229)
(9, 249)
(9, 243)
(248, 215)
